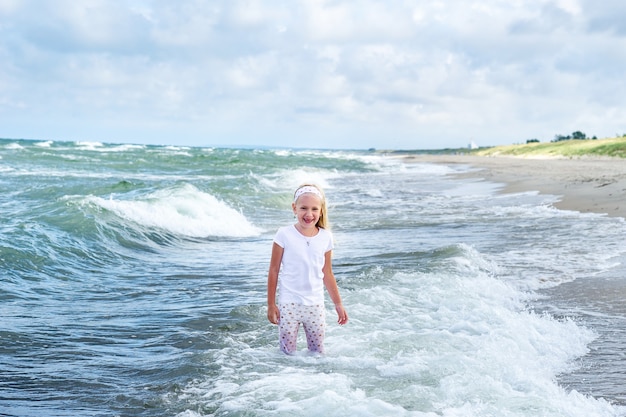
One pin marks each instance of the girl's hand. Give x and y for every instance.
(273, 314)
(342, 314)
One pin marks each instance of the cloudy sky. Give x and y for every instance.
(403, 74)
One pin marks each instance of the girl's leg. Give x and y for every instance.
(288, 325)
(314, 323)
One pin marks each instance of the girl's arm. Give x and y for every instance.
(331, 286)
(272, 281)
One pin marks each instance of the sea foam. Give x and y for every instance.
(183, 210)
(453, 340)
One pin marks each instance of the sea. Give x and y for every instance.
(133, 283)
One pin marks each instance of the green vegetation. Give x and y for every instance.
(578, 135)
(572, 148)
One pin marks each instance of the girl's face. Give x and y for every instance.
(307, 209)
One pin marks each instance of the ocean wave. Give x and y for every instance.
(451, 339)
(181, 210)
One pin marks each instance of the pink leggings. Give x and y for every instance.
(313, 320)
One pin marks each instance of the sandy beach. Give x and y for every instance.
(596, 185)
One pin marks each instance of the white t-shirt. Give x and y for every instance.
(300, 279)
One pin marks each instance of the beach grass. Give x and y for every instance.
(610, 147)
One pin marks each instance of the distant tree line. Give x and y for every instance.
(577, 135)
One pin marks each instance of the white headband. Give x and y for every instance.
(307, 189)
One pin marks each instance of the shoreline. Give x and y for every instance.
(586, 185)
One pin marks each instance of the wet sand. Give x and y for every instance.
(596, 185)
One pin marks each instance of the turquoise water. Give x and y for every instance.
(133, 284)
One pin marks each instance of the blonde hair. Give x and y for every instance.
(322, 222)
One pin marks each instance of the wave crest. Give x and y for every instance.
(182, 210)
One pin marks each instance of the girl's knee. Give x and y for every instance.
(287, 347)
(315, 338)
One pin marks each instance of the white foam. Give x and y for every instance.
(14, 146)
(292, 179)
(177, 148)
(182, 210)
(454, 341)
(124, 148)
(89, 145)
(102, 148)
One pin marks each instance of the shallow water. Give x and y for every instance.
(133, 284)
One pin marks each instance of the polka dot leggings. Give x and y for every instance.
(313, 320)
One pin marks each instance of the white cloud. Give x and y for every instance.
(9, 6)
(258, 70)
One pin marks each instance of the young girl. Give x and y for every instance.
(304, 250)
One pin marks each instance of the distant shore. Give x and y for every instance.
(595, 184)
